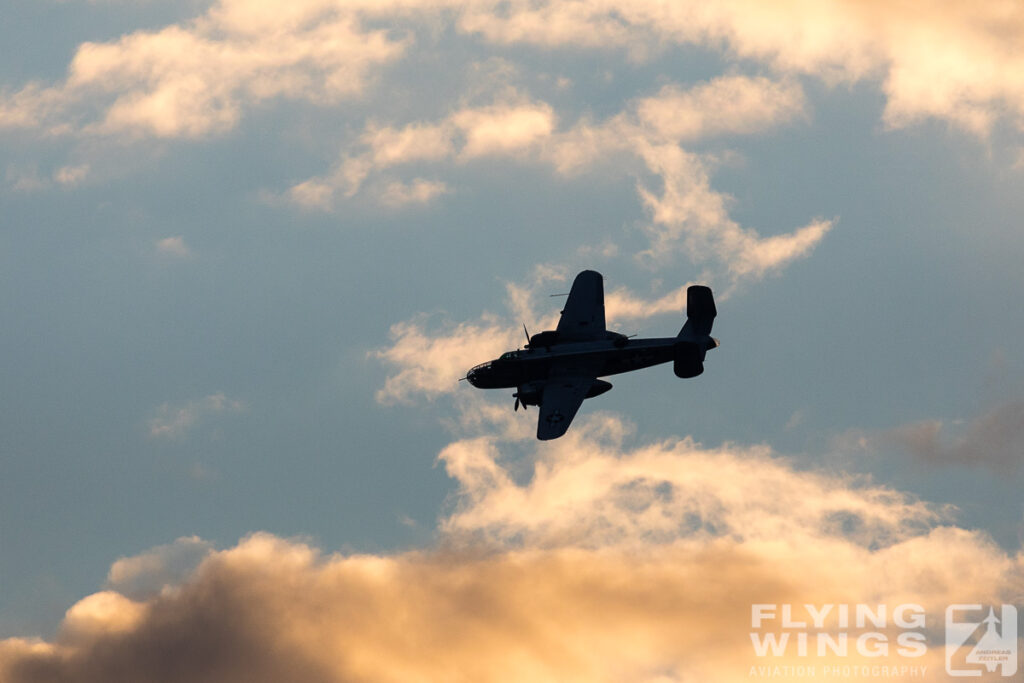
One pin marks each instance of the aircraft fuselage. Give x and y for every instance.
(603, 358)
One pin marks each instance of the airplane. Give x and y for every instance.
(558, 369)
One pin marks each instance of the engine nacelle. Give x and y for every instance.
(530, 394)
(543, 339)
(689, 360)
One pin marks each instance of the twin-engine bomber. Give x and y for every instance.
(558, 369)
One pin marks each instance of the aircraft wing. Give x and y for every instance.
(563, 395)
(583, 316)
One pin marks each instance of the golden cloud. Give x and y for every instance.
(610, 563)
(954, 62)
(689, 214)
(431, 364)
(933, 59)
(195, 79)
(504, 129)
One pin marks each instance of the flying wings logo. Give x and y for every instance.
(976, 642)
(981, 640)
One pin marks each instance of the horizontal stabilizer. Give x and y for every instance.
(689, 360)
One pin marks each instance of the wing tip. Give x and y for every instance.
(550, 436)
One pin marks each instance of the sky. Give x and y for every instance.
(247, 250)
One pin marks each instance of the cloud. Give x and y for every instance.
(419, 191)
(195, 79)
(724, 105)
(32, 107)
(101, 614)
(589, 490)
(689, 215)
(71, 175)
(610, 562)
(429, 357)
(431, 364)
(174, 246)
(174, 421)
(994, 439)
(621, 304)
(931, 59)
(29, 179)
(501, 129)
(415, 142)
(147, 574)
(25, 180)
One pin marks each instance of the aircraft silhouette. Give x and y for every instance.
(558, 369)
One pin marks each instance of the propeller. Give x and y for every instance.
(518, 402)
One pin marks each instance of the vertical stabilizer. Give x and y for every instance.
(695, 338)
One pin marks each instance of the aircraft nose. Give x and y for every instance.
(471, 377)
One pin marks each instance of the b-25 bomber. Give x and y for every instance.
(558, 369)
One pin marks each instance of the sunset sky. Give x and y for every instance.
(248, 248)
